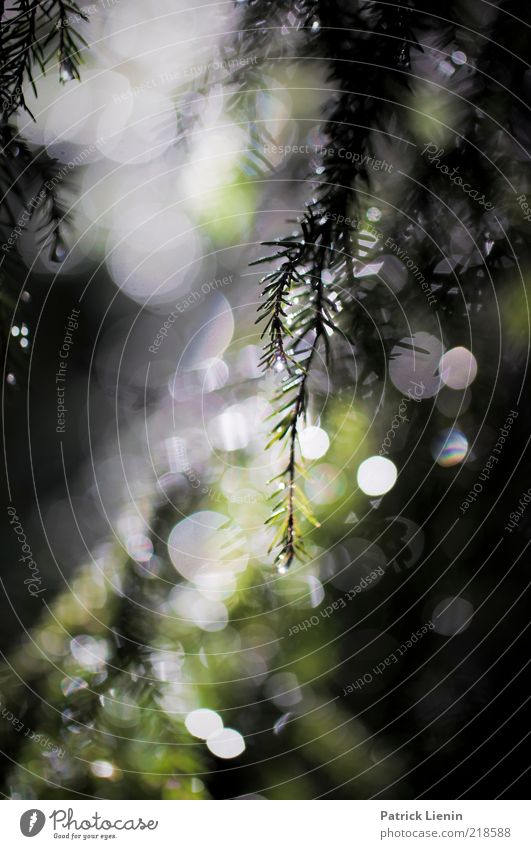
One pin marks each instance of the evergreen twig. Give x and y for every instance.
(325, 242)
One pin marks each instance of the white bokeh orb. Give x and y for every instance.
(227, 744)
(377, 475)
(204, 547)
(458, 368)
(413, 366)
(314, 443)
(151, 253)
(203, 723)
(88, 110)
(141, 127)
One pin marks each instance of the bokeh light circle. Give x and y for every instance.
(450, 448)
(458, 368)
(314, 443)
(377, 475)
(227, 744)
(203, 723)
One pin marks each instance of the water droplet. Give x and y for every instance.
(11, 379)
(458, 57)
(316, 26)
(66, 71)
(59, 250)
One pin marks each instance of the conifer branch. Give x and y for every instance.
(31, 29)
(324, 243)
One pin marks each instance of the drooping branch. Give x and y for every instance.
(32, 34)
(299, 313)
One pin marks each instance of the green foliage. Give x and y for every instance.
(103, 730)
